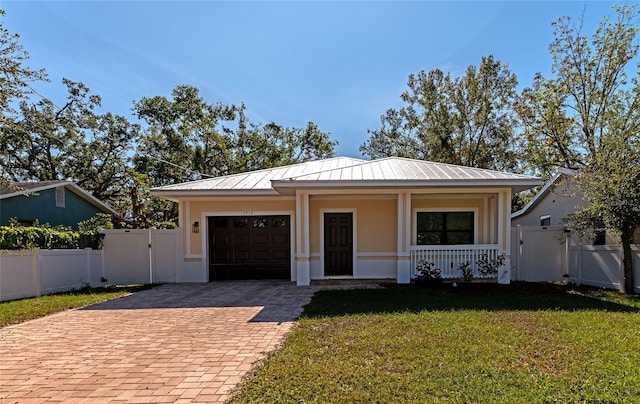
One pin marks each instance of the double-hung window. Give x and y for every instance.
(445, 228)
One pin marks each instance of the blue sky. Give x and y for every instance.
(338, 64)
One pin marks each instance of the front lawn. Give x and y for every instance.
(474, 343)
(17, 311)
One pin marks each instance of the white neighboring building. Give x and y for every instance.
(551, 205)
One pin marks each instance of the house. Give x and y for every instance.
(544, 249)
(552, 204)
(345, 218)
(54, 202)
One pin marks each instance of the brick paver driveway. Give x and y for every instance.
(172, 343)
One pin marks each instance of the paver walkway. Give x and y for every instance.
(172, 343)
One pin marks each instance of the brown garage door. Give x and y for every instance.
(249, 247)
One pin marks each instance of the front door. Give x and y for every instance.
(338, 244)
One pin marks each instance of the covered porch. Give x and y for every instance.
(394, 231)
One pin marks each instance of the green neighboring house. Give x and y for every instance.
(54, 202)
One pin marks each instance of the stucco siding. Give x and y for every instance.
(194, 210)
(376, 221)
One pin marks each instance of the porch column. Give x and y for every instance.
(303, 270)
(403, 272)
(504, 235)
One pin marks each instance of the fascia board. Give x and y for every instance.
(286, 186)
(182, 194)
(36, 189)
(534, 201)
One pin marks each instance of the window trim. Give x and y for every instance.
(60, 197)
(414, 221)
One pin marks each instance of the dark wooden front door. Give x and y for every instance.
(249, 247)
(338, 244)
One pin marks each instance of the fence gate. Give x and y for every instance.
(140, 256)
(540, 253)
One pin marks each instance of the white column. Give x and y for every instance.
(303, 270)
(504, 235)
(403, 270)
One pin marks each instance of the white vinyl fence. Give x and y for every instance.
(550, 254)
(538, 253)
(141, 256)
(34, 273)
(127, 257)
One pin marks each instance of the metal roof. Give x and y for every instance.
(343, 172)
(403, 169)
(259, 180)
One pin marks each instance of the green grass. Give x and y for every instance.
(17, 311)
(475, 343)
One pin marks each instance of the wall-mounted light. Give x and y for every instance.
(196, 227)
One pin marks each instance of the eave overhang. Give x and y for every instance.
(289, 186)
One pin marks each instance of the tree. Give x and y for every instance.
(467, 120)
(586, 117)
(187, 138)
(38, 144)
(101, 162)
(15, 81)
(15, 77)
(47, 142)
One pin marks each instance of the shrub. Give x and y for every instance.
(426, 273)
(45, 237)
(489, 267)
(91, 234)
(467, 272)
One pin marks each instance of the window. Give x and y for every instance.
(241, 222)
(279, 222)
(545, 220)
(260, 223)
(220, 222)
(445, 228)
(60, 197)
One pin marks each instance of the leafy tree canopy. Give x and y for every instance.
(467, 120)
(586, 117)
(188, 138)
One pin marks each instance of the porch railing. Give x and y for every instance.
(448, 258)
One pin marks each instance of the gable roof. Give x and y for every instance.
(343, 172)
(26, 188)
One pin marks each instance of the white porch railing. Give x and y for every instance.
(448, 258)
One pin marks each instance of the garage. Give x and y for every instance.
(249, 247)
